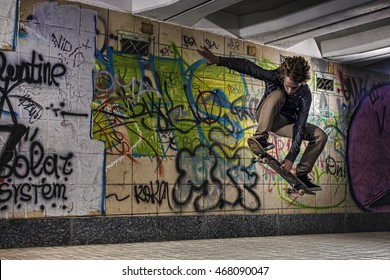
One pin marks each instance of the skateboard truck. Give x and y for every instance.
(295, 185)
(296, 189)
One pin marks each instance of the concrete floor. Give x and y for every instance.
(345, 246)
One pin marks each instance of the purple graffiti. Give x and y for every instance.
(369, 151)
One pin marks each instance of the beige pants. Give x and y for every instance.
(269, 119)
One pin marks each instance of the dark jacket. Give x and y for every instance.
(296, 107)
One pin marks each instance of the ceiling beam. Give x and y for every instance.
(252, 25)
(118, 5)
(186, 13)
(221, 23)
(140, 6)
(354, 17)
(363, 57)
(356, 43)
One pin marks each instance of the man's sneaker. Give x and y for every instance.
(257, 144)
(309, 184)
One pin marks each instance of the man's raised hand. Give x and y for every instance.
(208, 55)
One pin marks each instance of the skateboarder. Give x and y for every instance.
(283, 110)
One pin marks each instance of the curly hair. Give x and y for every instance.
(296, 68)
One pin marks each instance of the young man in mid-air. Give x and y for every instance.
(283, 110)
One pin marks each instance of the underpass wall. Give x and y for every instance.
(104, 114)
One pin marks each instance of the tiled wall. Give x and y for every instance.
(97, 131)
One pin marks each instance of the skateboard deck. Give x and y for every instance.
(295, 185)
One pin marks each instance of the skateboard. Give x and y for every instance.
(295, 185)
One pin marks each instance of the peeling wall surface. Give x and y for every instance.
(103, 113)
(8, 18)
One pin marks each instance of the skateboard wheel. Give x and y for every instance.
(264, 160)
(301, 192)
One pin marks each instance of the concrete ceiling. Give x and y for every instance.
(355, 32)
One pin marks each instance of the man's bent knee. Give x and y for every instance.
(321, 137)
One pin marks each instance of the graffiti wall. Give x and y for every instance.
(46, 90)
(103, 113)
